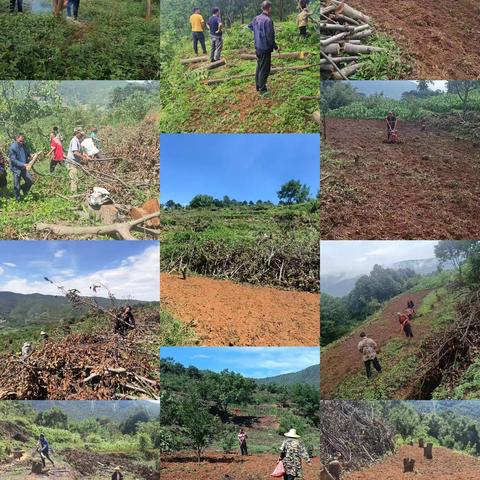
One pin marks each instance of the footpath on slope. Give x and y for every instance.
(228, 313)
(426, 186)
(343, 359)
(441, 37)
(445, 465)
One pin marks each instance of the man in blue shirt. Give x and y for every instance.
(19, 156)
(264, 39)
(215, 25)
(44, 449)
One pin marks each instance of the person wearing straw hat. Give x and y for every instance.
(117, 474)
(292, 452)
(44, 336)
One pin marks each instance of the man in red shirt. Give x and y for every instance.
(405, 325)
(56, 153)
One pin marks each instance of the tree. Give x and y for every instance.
(202, 201)
(55, 417)
(293, 192)
(454, 251)
(463, 88)
(131, 424)
(335, 319)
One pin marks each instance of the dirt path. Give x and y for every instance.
(425, 187)
(343, 359)
(446, 465)
(21, 469)
(442, 37)
(218, 466)
(227, 313)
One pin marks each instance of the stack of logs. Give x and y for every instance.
(343, 31)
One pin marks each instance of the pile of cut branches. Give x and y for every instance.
(343, 31)
(353, 433)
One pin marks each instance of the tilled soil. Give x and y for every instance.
(343, 359)
(218, 466)
(425, 187)
(442, 37)
(446, 465)
(227, 313)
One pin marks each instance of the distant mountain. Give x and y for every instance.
(17, 310)
(117, 410)
(466, 408)
(422, 266)
(310, 375)
(337, 285)
(389, 88)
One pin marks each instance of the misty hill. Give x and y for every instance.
(89, 92)
(117, 410)
(18, 310)
(389, 88)
(337, 285)
(310, 376)
(422, 266)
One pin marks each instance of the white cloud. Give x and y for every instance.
(138, 279)
(59, 253)
(2, 271)
(9, 264)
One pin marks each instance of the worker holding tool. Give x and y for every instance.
(302, 19)
(75, 158)
(19, 158)
(391, 120)
(43, 448)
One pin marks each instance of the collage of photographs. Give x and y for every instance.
(238, 240)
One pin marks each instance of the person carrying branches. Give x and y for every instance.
(124, 321)
(198, 25)
(19, 158)
(264, 40)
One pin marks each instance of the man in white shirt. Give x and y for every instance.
(75, 157)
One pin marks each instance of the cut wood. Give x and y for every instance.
(212, 65)
(186, 61)
(350, 12)
(346, 72)
(352, 48)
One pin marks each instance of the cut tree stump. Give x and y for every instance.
(421, 442)
(408, 465)
(187, 61)
(427, 452)
(335, 469)
(37, 467)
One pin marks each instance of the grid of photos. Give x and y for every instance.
(400, 255)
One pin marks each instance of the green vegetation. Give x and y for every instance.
(112, 41)
(203, 410)
(174, 331)
(81, 444)
(189, 105)
(309, 376)
(127, 131)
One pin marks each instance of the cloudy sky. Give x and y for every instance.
(358, 257)
(252, 362)
(130, 269)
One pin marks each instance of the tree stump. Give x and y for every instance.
(427, 451)
(421, 443)
(411, 444)
(335, 469)
(408, 465)
(37, 467)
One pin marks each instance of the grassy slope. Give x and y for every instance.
(114, 41)
(191, 106)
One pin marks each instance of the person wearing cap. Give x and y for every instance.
(198, 25)
(75, 157)
(368, 348)
(117, 474)
(405, 325)
(19, 158)
(44, 448)
(292, 452)
(264, 40)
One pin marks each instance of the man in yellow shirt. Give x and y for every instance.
(198, 25)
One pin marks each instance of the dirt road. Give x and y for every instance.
(227, 313)
(446, 465)
(441, 37)
(343, 359)
(218, 466)
(426, 187)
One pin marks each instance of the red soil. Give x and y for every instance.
(344, 360)
(446, 465)
(441, 36)
(227, 313)
(219, 466)
(426, 187)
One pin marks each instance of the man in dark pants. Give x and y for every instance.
(368, 348)
(19, 4)
(75, 4)
(264, 39)
(198, 25)
(19, 155)
(44, 449)
(242, 440)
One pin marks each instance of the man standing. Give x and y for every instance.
(57, 7)
(56, 151)
(75, 158)
(302, 19)
(264, 39)
(3, 175)
(215, 26)
(405, 325)
(44, 448)
(242, 440)
(18, 3)
(368, 348)
(117, 474)
(391, 120)
(198, 25)
(75, 6)
(19, 156)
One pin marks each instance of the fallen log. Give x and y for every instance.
(352, 58)
(212, 65)
(350, 12)
(214, 81)
(120, 230)
(346, 71)
(187, 61)
(352, 48)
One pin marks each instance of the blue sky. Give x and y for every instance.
(130, 269)
(253, 362)
(244, 167)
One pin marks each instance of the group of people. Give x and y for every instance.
(368, 347)
(82, 148)
(263, 34)
(72, 7)
(292, 452)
